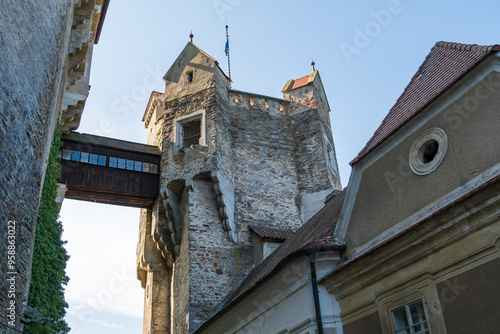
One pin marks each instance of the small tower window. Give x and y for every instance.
(190, 130)
(191, 133)
(190, 76)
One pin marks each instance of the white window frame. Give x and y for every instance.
(406, 307)
(178, 125)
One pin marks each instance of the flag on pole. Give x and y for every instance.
(227, 53)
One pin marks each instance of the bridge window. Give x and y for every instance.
(102, 160)
(93, 159)
(153, 168)
(121, 163)
(75, 156)
(113, 162)
(85, 157)
(66, 154)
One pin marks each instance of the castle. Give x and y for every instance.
(236, 167)
(245, 227)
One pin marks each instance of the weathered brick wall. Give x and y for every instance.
(34, 39)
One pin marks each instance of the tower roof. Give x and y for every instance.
(300, 82)
(192, 45)
(445, 64)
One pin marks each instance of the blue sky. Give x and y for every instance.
(365, 51)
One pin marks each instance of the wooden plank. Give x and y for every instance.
(109, 179)
(91, 195)
(111, 143)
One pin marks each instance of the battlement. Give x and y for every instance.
(246, 100)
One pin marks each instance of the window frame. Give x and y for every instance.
(178, 125)
(411, 325)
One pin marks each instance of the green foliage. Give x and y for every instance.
(48, 276)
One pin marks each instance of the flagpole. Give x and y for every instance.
(227, 54)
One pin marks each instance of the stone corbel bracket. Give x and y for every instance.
(225, 202)
(169, 239)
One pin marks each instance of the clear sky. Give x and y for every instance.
(365, 51)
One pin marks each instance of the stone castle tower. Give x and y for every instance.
(231, 161)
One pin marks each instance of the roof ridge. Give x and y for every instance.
(206, 54)
(442, 56)
(467, 47)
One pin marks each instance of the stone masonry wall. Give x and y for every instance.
(185, 165)
(34, 40)
(312, 161)
(217, 265)
(264, 165)
(252, 141)
(181, 278)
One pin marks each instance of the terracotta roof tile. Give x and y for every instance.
(444, 65)
(300, 82)
(271, 233)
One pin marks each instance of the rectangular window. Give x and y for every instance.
(75, 156)
(66, 155)
(102, 160)
(138, 166)
(85, 157)
(191, 133)
(93, 159)
(130, 164)
(153, 168)
(121, 163)
(113, 162)
(410, 319)
(190, 130)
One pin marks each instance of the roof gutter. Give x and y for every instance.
(278, 267)
(317, 306)
(104, 9)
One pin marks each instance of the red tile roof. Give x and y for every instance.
(300, 82)
(271, 233)
(316, 232)
(444, 65)
(297, 83)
